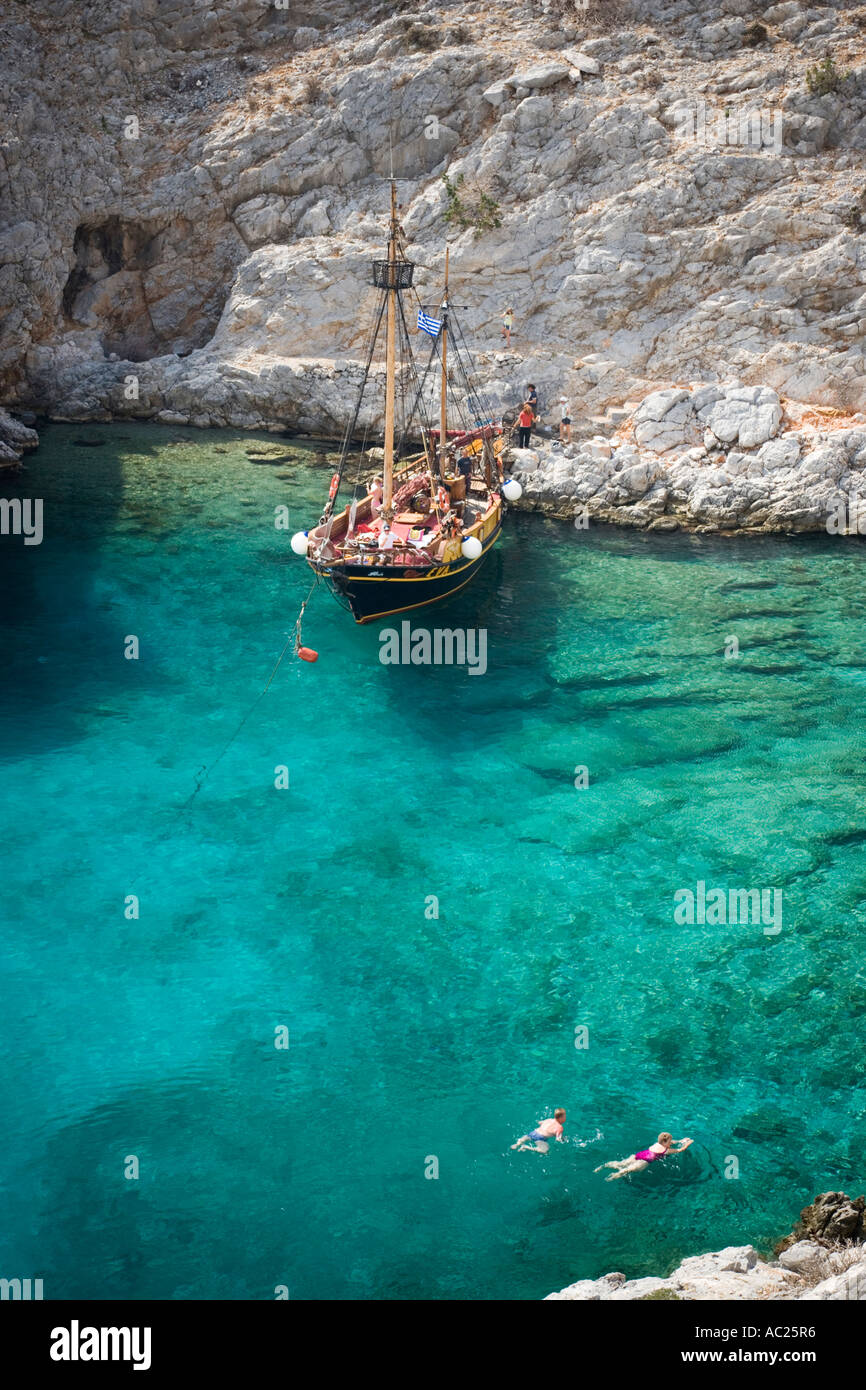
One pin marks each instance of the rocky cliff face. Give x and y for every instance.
(191, 191)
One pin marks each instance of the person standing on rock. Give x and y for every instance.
(564, 421)
(525, 421)
(507, 325)
(531, 397)
(664, 1145)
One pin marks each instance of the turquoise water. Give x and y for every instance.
(412, 1036)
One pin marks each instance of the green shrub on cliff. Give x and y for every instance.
(825, 77)
(755, 35)
(470, 206)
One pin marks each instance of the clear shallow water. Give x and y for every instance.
(412, 1037)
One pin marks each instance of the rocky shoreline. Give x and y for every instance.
(16, 439)
(823, 1258)
(707, 458)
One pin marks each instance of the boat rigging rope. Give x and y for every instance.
(418, 405)
(471, 377)
(350, 428)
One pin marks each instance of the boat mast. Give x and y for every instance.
(388, 488)
(443, 400)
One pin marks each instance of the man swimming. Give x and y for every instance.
(664, 1145)
(537, 1141)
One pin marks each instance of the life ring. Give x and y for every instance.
(335, 483)
(443, 499)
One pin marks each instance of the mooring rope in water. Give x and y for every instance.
(298, 634)
(294, 636)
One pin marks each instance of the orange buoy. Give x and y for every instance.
(307, 654)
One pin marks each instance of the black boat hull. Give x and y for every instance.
(380, 592)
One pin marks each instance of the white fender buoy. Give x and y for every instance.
(511, 490)
(471, 548)
(300, 542)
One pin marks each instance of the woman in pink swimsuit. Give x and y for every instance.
(664, 1145)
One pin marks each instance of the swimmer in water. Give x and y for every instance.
(538, 1141)
(665, 1144)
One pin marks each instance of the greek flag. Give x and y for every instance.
(428, 325)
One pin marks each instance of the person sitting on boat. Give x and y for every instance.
(386, 538)
(376, 498)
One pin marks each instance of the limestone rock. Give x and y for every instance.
(847, 1286)
(537, 78)
(582, 62)
(804, 1255)
(799, 481)
(15, 437)
(496, 93)
(533, 112)
(742, 417)
(832, 1217)
(806, 1270)
(306, 37)
(233, 235)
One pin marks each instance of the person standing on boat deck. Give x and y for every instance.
(507, 325)
(664, 1145)
(525, 421)
(464, 466)
(564, 421)
(538, 1141)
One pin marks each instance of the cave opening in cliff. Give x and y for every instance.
(132, 283)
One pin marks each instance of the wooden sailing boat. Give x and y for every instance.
(422, 530)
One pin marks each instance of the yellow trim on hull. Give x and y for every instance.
(374, 617)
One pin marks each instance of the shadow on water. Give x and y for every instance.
(540, 598)
(52, 616)
(97, 1230)
(514, 600)
(122, 515)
